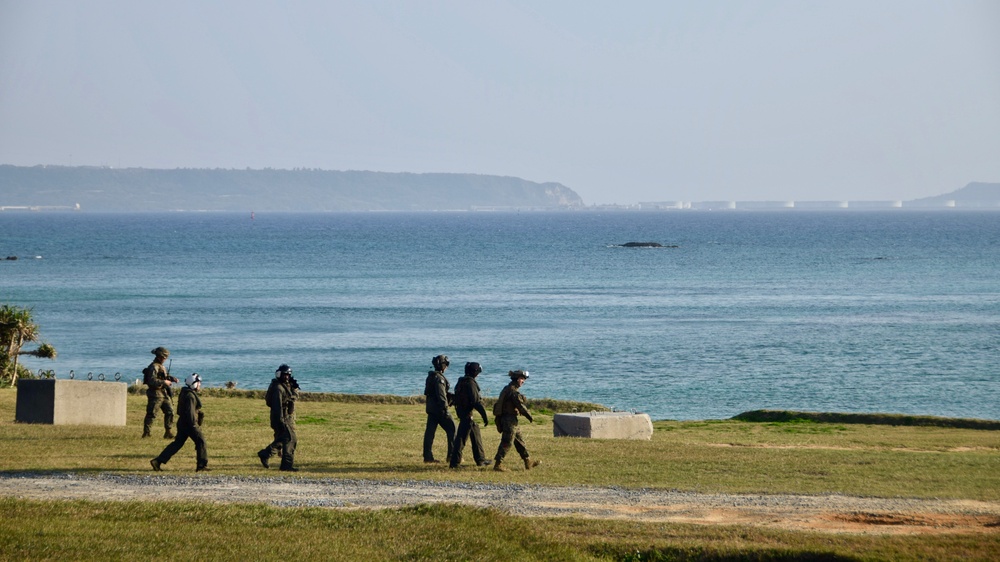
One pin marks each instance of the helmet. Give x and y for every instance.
(473, 369)
(161, 352)
(192, 379)
(518, 374)
(440, 362)
(283, 370)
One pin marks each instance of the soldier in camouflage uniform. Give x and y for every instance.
(159, 395)
(189, 418)
(510, 404)
(436, 389)
(468, 400)
(280, 397)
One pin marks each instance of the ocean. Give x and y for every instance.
(879, 311)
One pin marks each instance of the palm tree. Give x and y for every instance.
(17, 329)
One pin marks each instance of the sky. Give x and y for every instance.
(624, 102)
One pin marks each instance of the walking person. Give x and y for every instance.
(280, 397)
(159, 395)
(436, 389)
(189, 419)
(508, 407)
(468, 400)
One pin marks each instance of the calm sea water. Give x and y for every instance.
(828, 311)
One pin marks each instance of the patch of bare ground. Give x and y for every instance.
(771, 446)
(835, 448)
(826, 513)
(916, 523)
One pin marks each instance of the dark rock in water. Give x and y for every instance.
(11, 258)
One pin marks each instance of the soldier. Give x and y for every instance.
(505, 411)
(280, 397)
(189, 418)
(436, 389)
(467, 400)
(159, 395)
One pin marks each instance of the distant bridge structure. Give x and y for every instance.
(40, 207)
(816, 205)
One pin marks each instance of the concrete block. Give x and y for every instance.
(71, 402)
(603, 425)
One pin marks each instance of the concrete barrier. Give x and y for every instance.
(603, 425)
(71, 402)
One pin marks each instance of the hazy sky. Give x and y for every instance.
(621, 101)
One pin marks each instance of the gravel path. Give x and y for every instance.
(831, 513)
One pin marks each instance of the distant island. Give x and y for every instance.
(974, 195)
(106, 189)
(94, 188)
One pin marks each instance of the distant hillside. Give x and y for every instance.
(974, 195)
(139, 189)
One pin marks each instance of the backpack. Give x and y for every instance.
(147, 376)
(268, 396)
(460, 400)
(498, 405)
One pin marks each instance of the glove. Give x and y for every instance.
(486, 422)
(530, 419)
(201, 417)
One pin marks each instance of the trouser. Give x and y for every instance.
(276, 447)
(468, 429)
(433, 421)
(510, 434)
(158, 401)
(183, 433)
(284, 442)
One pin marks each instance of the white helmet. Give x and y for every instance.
(192, 379)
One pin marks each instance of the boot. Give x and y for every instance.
(155, 464)
(145, 433)
(498, 467)
(169, 434)
(263, 456)
(529, 464)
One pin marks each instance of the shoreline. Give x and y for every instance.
(551, 405)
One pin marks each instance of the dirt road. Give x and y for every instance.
(830, 513)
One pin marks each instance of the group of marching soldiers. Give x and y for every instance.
(284, 390)
(467, 401)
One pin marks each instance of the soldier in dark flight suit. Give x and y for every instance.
(189, 418)
(468, 400)
(280, 397)
(436, 389)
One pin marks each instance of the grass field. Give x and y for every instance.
(382, 440)
(190, 531)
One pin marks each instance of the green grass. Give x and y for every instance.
(788, 416)
(381, 439)
(81, 530)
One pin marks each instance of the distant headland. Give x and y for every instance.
(92, 188)
(106, 189)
